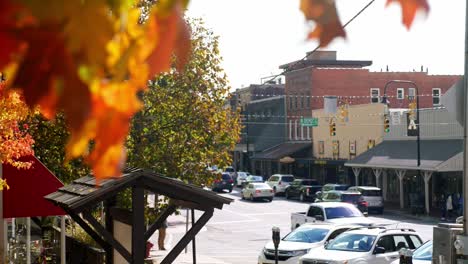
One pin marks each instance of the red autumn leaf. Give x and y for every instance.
(174, 36)
(10, 44)
(327, 23)
(409, 9)
(49, 78)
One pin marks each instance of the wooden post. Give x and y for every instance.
(401, 176)
(63, 238)
(138, 225)
(427, 176)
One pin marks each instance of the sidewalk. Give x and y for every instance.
(177, 227)
(432, 218)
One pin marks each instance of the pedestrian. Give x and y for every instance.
(449, 206)
(459, 204)
(442, 206)
(162, 235)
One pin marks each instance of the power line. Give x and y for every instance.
(318, 46)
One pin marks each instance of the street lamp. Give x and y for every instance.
(276, 240)
(384, 100)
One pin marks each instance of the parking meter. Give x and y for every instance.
(276, 240)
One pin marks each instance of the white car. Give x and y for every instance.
(372, 195)
(366, 245)
(300, 241)
(279, 182)
(255, 191)
(241, 176)
(331, 212)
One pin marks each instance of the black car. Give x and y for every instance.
(224, 183)
(304, 189)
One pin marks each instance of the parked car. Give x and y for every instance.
(421, 255)
(351, 197)
(331, 187)
(304, 189)
(372, 195)
(332, 212)
(300, 241)
(241, 176)
(373, 245)
(257, 190)
(251, 179)
(231, 171)
(224, 183)
(279, 182)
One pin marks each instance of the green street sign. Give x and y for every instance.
(309, 122)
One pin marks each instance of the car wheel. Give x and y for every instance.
(286, 195)
(270, 200)
(242, 196)
(230, 190)
(380, 211)
(301, 197)
(251, 198)
(274, 190)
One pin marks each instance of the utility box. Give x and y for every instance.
(444, 236)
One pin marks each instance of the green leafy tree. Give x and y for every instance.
(50, 138)
(184, 125)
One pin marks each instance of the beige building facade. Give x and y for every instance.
(361, 129)
(358, 128)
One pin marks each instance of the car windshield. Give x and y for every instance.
(352, 242)
(307, 234)
(371, 192)
(242, 174)
(424, 252)
(254, 178)
(350, 198)
(341, 187)
(229, 170)
(261, 186)
(342, 212)
(287, 178)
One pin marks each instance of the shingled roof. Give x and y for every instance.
(84, 192)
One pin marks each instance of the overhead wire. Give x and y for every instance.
(318, 46)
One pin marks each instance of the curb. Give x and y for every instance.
(426, 219)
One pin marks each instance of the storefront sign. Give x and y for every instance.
(287, 159)
(352, 147)
(321, 146)
(320, 162)
(336, 148)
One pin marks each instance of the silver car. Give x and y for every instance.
(256, 191)
(372, 195)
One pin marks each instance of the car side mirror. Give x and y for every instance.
(379, 250)
(366, 214)
(319, 218)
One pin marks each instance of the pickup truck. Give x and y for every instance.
(330, 212)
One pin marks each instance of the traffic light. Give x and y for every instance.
(386, 124)
(332, 128)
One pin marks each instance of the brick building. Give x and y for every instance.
(321, 74)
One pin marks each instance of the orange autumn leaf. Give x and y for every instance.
(409, 9)
(176, 35)
(327, 23)
(47, 63)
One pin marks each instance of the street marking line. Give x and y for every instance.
(233, 222)
(282, 213)
(236, 213)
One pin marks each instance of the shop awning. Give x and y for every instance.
(402, 154)
(288, 149)
(25, 198)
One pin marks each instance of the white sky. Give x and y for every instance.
(256, 36)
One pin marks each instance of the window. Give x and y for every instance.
(302, 101)
(290, 102)
(336, 233)
(313, 211)
(387, 243)
(416, 241)
(436, 96)
(411, 93)
(307, 234)
(400, 242)
(287, 178)
(295, 102)
(290, 129)
(308, 101)
(375, 95)
(400, 93)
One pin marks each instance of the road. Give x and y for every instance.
(239, 232)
